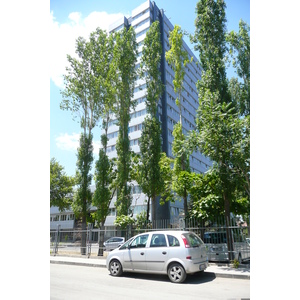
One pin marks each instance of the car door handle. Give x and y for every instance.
(142, 253)
(164, 253)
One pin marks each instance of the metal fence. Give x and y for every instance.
(68, 242)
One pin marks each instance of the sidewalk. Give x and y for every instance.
(219, 270)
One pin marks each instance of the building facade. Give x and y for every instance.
(168, 112)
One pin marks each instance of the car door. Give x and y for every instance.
(135, 256)
(157, 252)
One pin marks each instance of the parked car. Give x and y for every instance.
(216, 242)
(113, 243)
(174, 253)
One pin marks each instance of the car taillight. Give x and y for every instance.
(189, 257)
(185, 241)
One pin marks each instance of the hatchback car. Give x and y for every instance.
(113, 243)
(174, 253)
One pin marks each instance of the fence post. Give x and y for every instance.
(89, 233)
(56, 240)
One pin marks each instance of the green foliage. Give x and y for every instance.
(124, 220)
(103, 180)
(140, 222)
(150, 67)
(61, 186)
(83, 195)
(223, 120)
(210, 41)
(177, 57)
(240, 52)
(86, 82)
(149, 177)
(165, 165)
(125, 56)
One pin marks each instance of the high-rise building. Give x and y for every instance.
(168, 112)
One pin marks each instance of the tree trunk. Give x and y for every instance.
(228, 230)
(83, 235)
(101, 240)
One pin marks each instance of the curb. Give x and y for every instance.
(77, 264)
(216, 274)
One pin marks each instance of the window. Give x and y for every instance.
(63, 217)
(173, 241)
(158, 240)
(70, 217)
(140, 241)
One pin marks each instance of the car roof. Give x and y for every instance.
(174, 232)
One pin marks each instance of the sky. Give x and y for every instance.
(71, 19)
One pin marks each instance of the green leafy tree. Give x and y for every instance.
(125, 54)
(83, 194)
(210, 41)
(221, 134)
(177, 57)
(83, 96)
(150, 142)
(239, 50)
(61, 186)
(104, 167)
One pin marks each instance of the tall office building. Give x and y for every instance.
(141, 19)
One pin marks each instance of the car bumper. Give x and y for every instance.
(193, 267)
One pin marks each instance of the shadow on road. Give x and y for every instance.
(197, 278)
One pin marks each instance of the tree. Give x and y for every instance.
(83, 95)
(150, 142)
(125, 54)
(83, 194)
(210, 41)
(104, 167)
(61, 186)
(221, 134)
(177, 57)
(239, 50)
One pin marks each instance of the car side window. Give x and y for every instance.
(173, 241)
(140, 241)
(158, 240)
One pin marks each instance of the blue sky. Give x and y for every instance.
(70, 19)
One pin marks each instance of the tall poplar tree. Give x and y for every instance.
(104, 166)
(177, 57)
(125, 57)
(83, 96)
(221, 133)
(150, 178)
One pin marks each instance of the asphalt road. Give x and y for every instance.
(77, 282)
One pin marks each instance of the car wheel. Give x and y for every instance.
(176, 273)
(115, 268)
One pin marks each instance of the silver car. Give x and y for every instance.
(175, 253)
(113, 243)
(216, 242)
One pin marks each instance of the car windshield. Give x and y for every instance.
(125, 246)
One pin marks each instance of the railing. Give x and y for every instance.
(68, 242)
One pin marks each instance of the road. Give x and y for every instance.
(78, 282)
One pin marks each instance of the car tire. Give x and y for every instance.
(115, 268)
(176, 273)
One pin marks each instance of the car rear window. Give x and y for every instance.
(193, 239)
(173, 241)
(215, 238)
